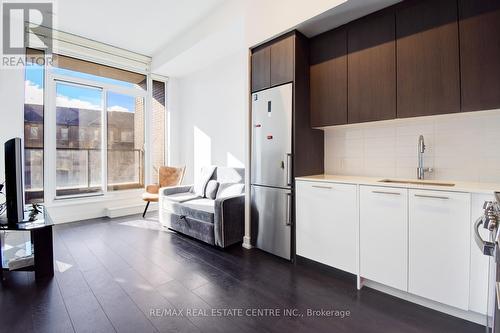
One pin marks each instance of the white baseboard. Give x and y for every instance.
(113, 212)
(467, 315)
(246, 243)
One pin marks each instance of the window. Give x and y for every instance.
(64, 133)
(127, 136)
(33, 126)
(34, 132)
(158, 128)
(94, 128)
(82, 134)
(92, 99)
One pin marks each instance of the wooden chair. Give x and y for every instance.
(167, 177)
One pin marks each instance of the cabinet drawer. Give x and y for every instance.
(439, 236)
(326, 218)
(384, 235)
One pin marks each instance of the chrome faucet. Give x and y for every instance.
(421, 149)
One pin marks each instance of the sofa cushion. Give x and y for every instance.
(200, 209)
(230, 189)
(229, 175)
(211, 190)
(201, 182)
(181, 197)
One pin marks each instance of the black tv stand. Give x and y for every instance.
(41, 239)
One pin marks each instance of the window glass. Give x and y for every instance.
(158, 128)
(78, 158)
(125, 129)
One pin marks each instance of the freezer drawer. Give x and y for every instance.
(272, 137)
(272, 220)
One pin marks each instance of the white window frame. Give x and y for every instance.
(50, 128)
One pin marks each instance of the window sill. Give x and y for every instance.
(110, 196)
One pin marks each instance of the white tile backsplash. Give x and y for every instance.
(461, 146)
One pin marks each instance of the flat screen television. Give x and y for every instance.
(14, 191)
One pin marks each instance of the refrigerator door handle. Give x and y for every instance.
(288, 168)
(288, 209)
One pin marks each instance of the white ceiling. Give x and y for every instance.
(140, 26)
(342, 14)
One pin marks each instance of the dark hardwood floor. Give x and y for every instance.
(112, 273)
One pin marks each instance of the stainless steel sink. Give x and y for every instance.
(415, 182)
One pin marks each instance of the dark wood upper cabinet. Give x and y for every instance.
(308, 144)
(261, 69)
(428, 81)
(286, 60)
(328, 78)
(480, 54)
(273, 64)
(282, 61)
(372, 68)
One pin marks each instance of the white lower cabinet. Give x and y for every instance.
(439, 243)
(414, 240)
(384, 235)
(326, 223)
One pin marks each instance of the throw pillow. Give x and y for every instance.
(201, 183)
(230, 189)
(211, 190)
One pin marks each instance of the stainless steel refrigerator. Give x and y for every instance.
(271, 170)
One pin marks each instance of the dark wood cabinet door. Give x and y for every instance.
(261, 69)
(480, 54)
(282, 61)
(427, 58)
(328, 78)
(372, 68)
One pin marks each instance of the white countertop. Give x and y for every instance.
(472, 187)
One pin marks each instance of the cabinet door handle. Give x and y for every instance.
(288, 217)
(288, 166)
(497, 288)
(323, 187)
(385, 192)
(432, 196)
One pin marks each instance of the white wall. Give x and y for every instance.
(266, 19)
(462, 146)
(11, 109)
(209, 80)
(210, 127)
(11, 104)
